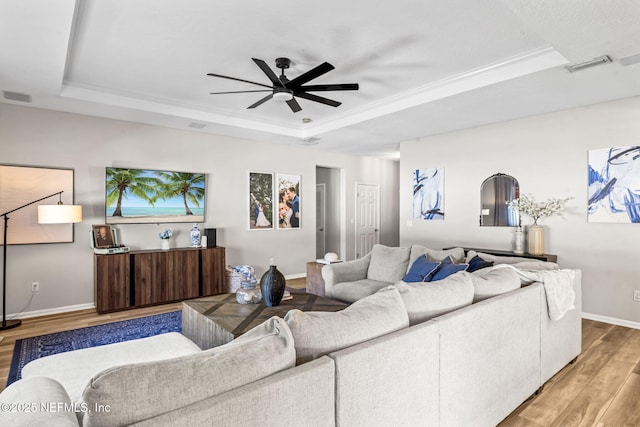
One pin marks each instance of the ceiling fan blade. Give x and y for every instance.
(337, 86)
(240, 80)
(293, 104)
(321, 69)
(268, 71)
(241, 91)
(316, 98)
(262, 101)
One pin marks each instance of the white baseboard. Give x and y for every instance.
(48, 311)
(295, 276)
(611, 320)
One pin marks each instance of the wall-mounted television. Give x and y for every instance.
(135, 196)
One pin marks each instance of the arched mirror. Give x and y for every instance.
(495, 194)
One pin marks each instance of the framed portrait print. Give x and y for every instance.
(260, 201)
(102, 236)
(289, 214)
(20, 185)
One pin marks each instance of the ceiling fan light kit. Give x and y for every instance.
(284, 90)
(282, 95)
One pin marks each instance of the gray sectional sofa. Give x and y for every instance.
(379, 362)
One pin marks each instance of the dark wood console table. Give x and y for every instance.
(150, 277)
(543, 257)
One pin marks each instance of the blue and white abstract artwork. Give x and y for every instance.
(428, 194)
(614, 185)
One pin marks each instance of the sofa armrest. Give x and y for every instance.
(348, 271)
(37, 401)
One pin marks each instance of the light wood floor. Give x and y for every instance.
(601, 389)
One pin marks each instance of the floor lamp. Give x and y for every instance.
(47, 214)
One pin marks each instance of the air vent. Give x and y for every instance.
(604, 59)
(16, 96)
(197, 125)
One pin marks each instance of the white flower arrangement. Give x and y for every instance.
(527, 205)
(166, 234)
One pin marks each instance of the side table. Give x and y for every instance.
(315, 282)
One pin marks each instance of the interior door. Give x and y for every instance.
(367, 221)
(321, 210)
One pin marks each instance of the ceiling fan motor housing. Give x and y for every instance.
(283, 63)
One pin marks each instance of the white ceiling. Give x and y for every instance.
(424, 67)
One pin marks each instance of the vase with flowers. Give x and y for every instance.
(527, 205)
(165, 237)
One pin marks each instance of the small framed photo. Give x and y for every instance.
(103, 236)
(288, 201)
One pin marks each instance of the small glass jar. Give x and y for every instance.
(249, 292)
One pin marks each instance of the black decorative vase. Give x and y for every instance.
(272, 286)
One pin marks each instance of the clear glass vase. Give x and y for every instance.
(249, 292)
(519, 241)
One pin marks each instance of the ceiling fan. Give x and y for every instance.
(283, 89)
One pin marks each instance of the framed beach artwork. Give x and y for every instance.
(614, 185)
(428, 194)
(136, 196)
(289, 214)
(260, 202)
(20, 185)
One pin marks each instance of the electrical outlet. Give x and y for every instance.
(35, 286)
(636, 295)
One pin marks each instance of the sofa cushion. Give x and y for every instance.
(493, 281)
(388, 264)
(354, 291)
(421, 270)
(74, 369)
(319, 333)
(535, 265)
(426, 300)
(457, 254)
(140, 391)
(28, 394)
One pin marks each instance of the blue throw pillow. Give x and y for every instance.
(448, 260)
(477, 263)
(421, 270)
(447, 269)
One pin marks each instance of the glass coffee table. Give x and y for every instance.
(218, 319)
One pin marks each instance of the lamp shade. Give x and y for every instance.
(59, 214)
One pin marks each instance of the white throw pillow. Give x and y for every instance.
(456, 254)
(424, 301)
(318, 333)
(388, 264)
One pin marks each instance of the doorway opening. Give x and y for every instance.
(329, 212)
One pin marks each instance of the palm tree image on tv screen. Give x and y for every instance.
(151, 196)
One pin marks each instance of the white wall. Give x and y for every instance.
(548, 156)
(35, 137)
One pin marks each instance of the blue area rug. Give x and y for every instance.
(32, 348)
